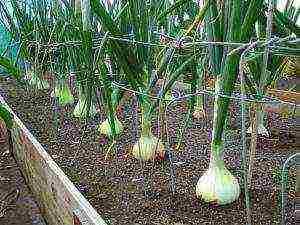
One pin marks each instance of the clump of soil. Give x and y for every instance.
(124, 191)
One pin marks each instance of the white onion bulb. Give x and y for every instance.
(106, 129)
(147, 147)
(217, 184)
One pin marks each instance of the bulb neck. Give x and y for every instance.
(216, 155)
(260, 116)
(115, 119)
(146, 126)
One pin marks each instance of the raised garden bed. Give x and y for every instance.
(59, 201)
(125, 192)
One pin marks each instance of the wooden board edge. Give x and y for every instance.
(86, 207)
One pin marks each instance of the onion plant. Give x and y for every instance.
(6, 117)
(92, 32)
(136, 61)
(30, 18)
(105, 127)
(217, 184)
(274, 69)
(10, 67)
(265, 69)
(234, 25)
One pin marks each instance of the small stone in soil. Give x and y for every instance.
(152, 194)
(102, 196)
(55, 156)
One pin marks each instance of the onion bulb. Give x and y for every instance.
(106, 129)
(217, 184)
(64, 95)
(147, 148)
(37, 82)
(261, 129)
(81, 108)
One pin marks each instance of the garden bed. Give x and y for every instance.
(124, 192)
(59, 202)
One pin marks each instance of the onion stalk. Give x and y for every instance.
(199, 111)
(217, 184)
(106, 127)
(85, 107)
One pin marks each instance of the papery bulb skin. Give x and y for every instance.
(147, 147)
(106, 129)
(217, 185)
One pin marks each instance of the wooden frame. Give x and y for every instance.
(59, 200)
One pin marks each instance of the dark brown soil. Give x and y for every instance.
(17, 204)
(126, 192)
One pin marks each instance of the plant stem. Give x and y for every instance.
(200, 83)
(162, 122)
(215, 155)
(253, 143)
(221, 105)
(214, 34)
(146, 123)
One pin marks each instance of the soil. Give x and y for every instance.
(17, 204)
(124, 191)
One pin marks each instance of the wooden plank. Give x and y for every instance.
(60, 202)
(286, 110)
(3, 134)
